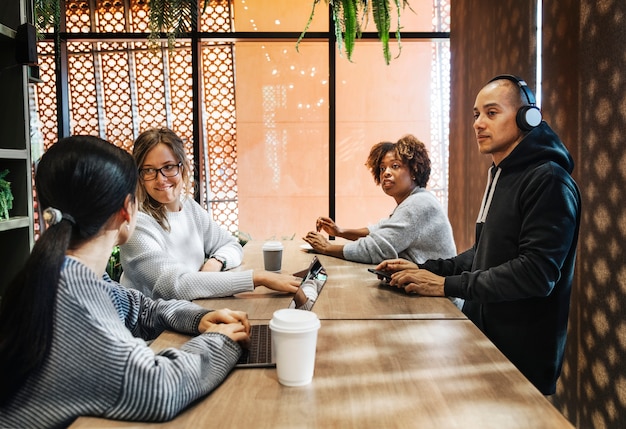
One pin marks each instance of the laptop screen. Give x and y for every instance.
(310, 287)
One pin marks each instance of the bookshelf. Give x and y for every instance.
(16, 233)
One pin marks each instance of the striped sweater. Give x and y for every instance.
(100, 364)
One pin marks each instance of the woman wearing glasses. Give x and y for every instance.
(178, 250)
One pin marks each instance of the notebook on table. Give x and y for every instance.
(259, 354)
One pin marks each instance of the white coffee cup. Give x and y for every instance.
(273, 255)
(294, 340)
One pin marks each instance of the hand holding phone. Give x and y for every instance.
(381, 274)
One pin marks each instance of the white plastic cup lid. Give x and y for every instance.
(273, 245)
(294, 320)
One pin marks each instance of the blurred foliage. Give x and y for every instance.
(114, 267)
(6, 197)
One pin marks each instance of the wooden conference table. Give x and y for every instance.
(397, 362)
(351, 292)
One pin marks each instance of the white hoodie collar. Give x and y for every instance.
(492, 179)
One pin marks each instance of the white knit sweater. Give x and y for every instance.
(100, 365)
(166, 265)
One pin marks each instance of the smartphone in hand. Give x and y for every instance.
(381, 274)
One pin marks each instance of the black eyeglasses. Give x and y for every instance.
(167, 171)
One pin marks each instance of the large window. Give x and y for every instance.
(277, 136)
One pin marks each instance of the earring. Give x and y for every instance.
(127, 227)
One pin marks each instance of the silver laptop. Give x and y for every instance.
(259, 354)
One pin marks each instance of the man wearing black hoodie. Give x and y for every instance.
(516, 280)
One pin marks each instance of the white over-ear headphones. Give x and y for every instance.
(528, 117)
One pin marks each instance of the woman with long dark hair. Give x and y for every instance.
(72, 341)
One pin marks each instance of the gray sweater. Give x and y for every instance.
(100, 365)
(417, 230)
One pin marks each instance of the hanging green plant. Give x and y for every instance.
(176, 17)
(171, 17)
(6, 197)
(47, 14)
(351, 17)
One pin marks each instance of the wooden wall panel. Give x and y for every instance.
(583, 93)
(487, 38)
(561, 109)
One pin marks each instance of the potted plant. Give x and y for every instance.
(175, 17)
(242, 237)
(114, 267)
(6, 197)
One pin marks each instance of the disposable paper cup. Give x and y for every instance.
(294, 340)
(273, 255)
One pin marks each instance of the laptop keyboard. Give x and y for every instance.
(260, 350)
